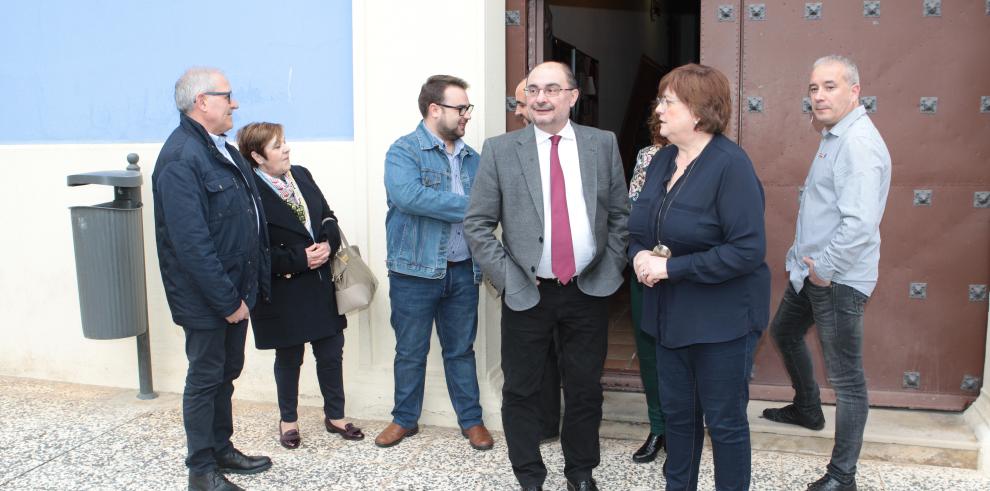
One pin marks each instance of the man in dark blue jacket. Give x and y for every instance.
(212, 242)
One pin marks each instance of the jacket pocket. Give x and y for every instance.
(220, 196)
(515, 279)
(431, 178)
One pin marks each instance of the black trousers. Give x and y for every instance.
(581, 322)
(550, 395)
(216, 357)
(329, 354)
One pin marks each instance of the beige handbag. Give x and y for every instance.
(353, 279)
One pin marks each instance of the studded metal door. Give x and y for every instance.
(925, 81)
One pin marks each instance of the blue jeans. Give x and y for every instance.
(837, 310)
(707, 384)
(452, 302)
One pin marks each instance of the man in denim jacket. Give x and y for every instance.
(428, 177)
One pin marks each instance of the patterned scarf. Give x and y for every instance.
(287, 189)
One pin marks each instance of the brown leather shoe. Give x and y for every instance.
(393, 434)
(478, 437)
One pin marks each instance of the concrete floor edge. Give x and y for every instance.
(978, 417)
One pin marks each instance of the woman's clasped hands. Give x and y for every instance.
(317, 254)
(649, 268)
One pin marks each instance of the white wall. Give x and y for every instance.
(397, 45)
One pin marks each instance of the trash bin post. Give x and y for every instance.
(146, 389)
(131, 197)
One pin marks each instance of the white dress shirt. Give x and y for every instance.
(577, 210)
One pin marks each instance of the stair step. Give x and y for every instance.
(892, 435)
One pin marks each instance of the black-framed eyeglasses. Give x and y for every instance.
(550, 90)
(461, 110)
(221, 94)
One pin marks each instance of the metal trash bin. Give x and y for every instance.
(109, 247)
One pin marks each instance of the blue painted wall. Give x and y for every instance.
(104, 70)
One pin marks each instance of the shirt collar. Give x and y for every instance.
(566, 133)
(846, 121)
(219, 140)
(437, 141)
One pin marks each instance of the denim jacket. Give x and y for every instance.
(421, 205)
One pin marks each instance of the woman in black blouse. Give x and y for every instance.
(697, 244)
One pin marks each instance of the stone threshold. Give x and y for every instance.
(905, 436)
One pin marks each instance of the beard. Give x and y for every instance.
(452, 133)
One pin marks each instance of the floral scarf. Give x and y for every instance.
(287, 189)
(639, 172)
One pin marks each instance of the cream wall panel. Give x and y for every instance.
(394, 55)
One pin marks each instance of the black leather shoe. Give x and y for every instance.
(586, 485)
(211, 481)
(828, 483)
(237, 463)
(790, 414)
(651, 447)
(532, 488)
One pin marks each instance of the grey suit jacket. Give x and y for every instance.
(508, 191)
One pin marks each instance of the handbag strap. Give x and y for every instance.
(343, 238)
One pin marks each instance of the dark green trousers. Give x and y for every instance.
(646, 351)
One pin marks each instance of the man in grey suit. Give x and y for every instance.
(558, 191)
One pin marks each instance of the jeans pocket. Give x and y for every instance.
(850, 300)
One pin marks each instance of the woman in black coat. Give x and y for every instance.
(303, 236)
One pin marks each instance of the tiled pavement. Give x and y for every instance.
(74, 437)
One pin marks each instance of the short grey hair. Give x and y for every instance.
(193, 82)
(852, 72)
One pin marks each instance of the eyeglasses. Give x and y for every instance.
(550, 90)
(227, 94)
(663, 102)
(461, 110)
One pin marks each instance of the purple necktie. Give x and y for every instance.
(561, 247)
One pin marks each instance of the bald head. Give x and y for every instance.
(551, 92)
(521, 111)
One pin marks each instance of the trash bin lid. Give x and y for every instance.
(117, 178)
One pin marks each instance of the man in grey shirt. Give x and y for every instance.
(833, 266)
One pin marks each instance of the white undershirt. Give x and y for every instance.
(577, 210)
